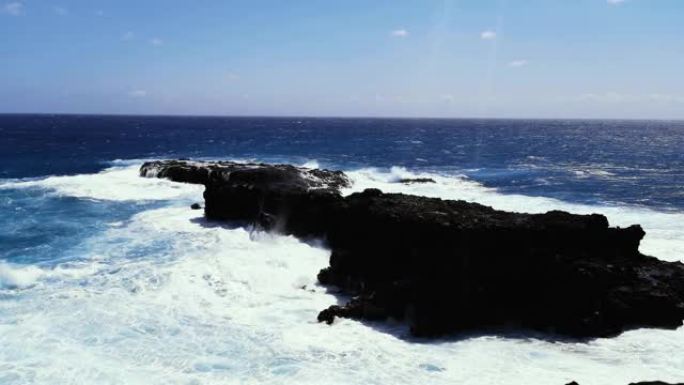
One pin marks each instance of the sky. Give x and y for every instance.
(415, 58)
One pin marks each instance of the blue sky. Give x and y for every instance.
(448, 58)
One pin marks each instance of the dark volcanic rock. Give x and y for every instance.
(640, 383)
(195, 206)
(416, 180)
(284, 198)
(179, 170)
(451, 266)
(264, 175)
(654, 383)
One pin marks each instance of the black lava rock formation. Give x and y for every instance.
(640, 383)
(654, 383)
(450, 266)
(416, 180)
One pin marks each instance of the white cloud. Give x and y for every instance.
(137, 94)
(61, 11)
(518, 63)
(615, 2)
(156, 41)
(14, 8)
(399, 33)
(488, 35)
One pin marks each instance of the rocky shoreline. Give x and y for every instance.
(449, 266)
(640, 383)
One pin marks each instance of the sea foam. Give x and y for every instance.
(169, 298)
(17, 276)
(119, 183)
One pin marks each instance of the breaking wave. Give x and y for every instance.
(165, 297)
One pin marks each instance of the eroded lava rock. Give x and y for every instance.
(416, 180)
(640, 383)
(450, 266)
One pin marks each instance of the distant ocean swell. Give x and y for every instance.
(147, 292)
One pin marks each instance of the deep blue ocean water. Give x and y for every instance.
(110, 278)
(636, 162)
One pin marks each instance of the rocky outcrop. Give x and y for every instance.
(450, 266)
(416, 180)
(654, 383)
(640, 383)
(284, 198)
(258, 174)
(447, 266)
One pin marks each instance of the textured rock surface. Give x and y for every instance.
(282, 198)
(450, 266)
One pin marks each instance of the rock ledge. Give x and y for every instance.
(450, 266)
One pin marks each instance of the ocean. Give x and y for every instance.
(110, 278)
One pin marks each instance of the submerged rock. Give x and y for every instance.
(640, 383)
(654, 383)
(416, 180)
(450, 266)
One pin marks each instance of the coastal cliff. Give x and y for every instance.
(449, 266)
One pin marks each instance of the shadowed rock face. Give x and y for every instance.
(450, 266)
(283, 198)
(453, 266)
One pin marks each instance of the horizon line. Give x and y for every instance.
(379, 117)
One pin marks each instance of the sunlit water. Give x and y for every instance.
(110, 278)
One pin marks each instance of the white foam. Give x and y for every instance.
(16, 276)
(589, 173)
(312, 163)
(167, 298)
(121, 183)
(204, 307)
